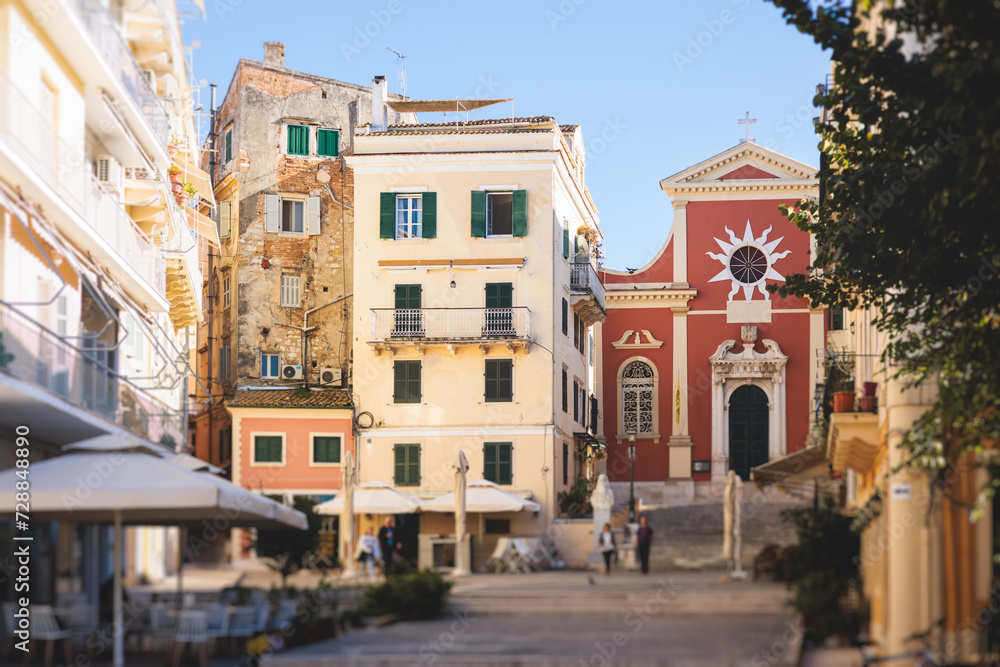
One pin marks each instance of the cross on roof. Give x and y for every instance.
(748, 121)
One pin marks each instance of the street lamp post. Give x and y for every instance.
(631, 474)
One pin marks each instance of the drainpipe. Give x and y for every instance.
(305, 328)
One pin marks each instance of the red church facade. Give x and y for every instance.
(708, 369)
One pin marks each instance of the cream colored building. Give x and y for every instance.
(474, 307)
(925, 566)
(99, 273)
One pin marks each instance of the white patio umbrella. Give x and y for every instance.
(461, 468)
(375, 497)
(347, 515)
(196, 464)
(118, 479)
(484, 497)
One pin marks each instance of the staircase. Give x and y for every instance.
(689, 537)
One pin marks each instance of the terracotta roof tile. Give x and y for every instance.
(484, 121)
(506, 130)
(289, 398)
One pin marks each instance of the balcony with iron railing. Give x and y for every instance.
(81, 377)
(398, 327)
(64, 171)
(184, 276)
(115, 52)
(587, 292)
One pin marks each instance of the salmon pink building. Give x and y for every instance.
(291, 442)
(706, 368)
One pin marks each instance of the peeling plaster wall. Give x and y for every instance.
(259, 102)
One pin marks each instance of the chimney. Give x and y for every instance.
(379, 92)
(274, 54)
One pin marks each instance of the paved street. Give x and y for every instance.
(560, 618)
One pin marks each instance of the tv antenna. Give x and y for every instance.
(402, 75)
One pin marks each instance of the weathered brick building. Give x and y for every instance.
(278, 292)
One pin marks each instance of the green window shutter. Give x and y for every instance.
(505, 380)
(505, 472)
(499, 295)
(520, 212)
(576, 245)
(413, 465)
(399, 474)
(565, 243)
(229, 144)
(407, 296)
(387, 216)
(328, 143)
(406, 382)
(429, 213)
(298, 140)
(326, 449)
(478, 214)
(491, 381)
(490, 462)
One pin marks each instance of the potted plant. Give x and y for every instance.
(175, 175)
(839, 388)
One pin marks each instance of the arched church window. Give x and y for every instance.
(637, 398)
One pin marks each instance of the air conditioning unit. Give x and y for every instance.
(290, 372)
(108, 173)
(331, 377)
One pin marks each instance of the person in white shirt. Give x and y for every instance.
(606, 543)
(368, 552)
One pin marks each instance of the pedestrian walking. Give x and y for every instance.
(368, 552)
(388, 542)
(645, 538)
(608, 547)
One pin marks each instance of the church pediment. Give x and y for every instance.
(746, 167)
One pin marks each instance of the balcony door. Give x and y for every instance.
(499, 309)
(408, 317)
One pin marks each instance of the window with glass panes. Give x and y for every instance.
(268, 449)
(269, 365)
(326, 449)
(498, 462)
(293, 213)
(406, 465)
(408, 216)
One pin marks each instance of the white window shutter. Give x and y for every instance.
(271, 214)
(225, 219)
(312, 216)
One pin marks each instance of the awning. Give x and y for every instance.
(375, 497)
(853, 441)
(794, 469)
(482, 496)
(203, 226)
(415, 106)
(198, 178)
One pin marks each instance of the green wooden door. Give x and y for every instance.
(408, 316)
(499, 316)
(748, 432)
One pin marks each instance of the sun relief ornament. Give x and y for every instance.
(749, 262)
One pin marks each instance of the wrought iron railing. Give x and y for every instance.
(450, 323)
(57, 164)
(114, 50)
(84, 377)
(583, 278)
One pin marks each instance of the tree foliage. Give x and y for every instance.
(909, 218)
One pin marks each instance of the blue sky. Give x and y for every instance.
(657, 86)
